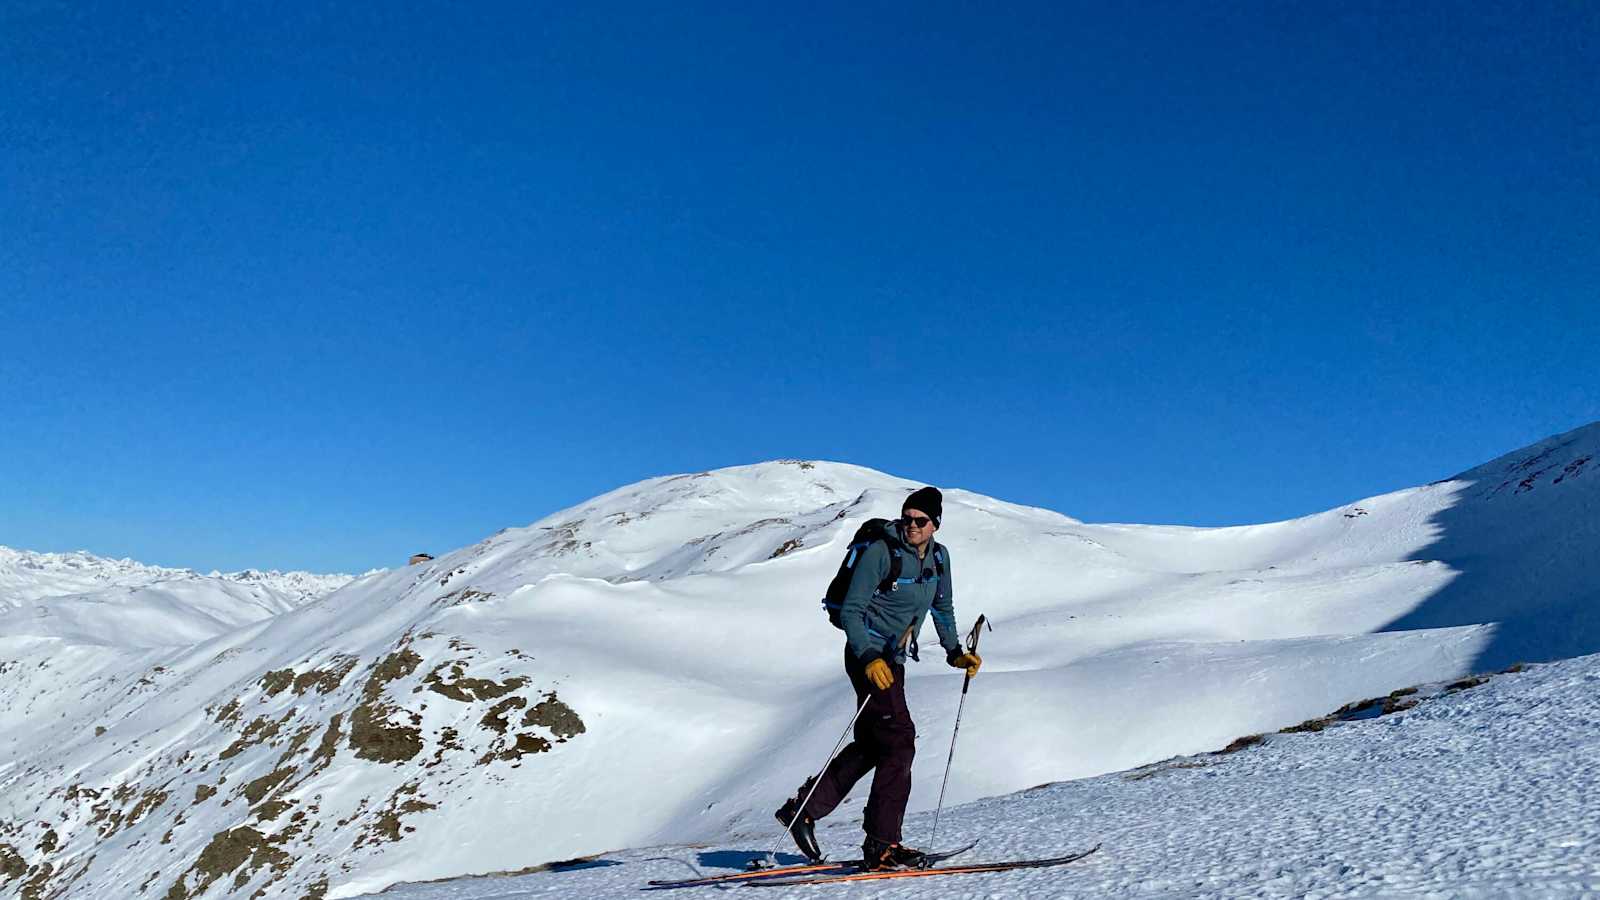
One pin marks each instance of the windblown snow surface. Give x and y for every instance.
(651, 669)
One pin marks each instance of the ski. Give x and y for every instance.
(800, 869)
(845, 867)
(829, 878)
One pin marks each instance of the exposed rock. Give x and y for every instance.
(495, 719)
(243, 848)
(229, 712)
(372, 735)
(786, 547)
(264, 785)
(466, 690)
(34, 887)
(271, 809)
(297, 743)
(150, 801)
(277, 681)
(560, 718)
(525, 744)
(260, 730)
(329, 745)
(327, 680)
(12, 865)
(387, 827)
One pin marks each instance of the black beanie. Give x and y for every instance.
(927, 499)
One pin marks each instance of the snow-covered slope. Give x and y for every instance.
(89, 600)
(652, 666)
(1483, 792)
(170, 613)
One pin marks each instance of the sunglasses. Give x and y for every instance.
(915, 521)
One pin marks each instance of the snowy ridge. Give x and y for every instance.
(299, 587)
(92, 601)
(26, 576)
(518, 701)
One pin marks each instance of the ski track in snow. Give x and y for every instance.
(1486, 792)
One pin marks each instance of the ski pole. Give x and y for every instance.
(972, 647)
(772, 855)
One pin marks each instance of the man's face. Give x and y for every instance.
(917, 526)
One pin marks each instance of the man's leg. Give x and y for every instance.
(892, 739)
(855, 760)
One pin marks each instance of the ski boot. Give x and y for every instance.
(801, 827)
(881, 856)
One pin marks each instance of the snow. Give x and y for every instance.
(26, 576)
(91, 601)
(1479, 792)
(178, 613)
(652, 668)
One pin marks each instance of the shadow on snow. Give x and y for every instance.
(1523, 537)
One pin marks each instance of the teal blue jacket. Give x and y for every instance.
(875, 621)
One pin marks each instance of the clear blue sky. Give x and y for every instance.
(292, 287)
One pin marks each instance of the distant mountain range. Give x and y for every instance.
(27, 576)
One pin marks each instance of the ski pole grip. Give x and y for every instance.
(977, 629)
(972, 647)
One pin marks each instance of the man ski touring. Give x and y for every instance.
(880, 617)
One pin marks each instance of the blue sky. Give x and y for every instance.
(317, 289)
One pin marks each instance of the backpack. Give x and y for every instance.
(870, 532)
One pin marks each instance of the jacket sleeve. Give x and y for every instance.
(870, 570)
(944, 614)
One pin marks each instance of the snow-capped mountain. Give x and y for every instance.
(27, 576)
(298, 587)
(652, 666)
(91, 601)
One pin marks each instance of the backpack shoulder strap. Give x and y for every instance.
(894, 568)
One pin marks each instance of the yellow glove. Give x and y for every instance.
(968, 661)
(879, 674)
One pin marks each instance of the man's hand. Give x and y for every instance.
(968, 661)
(879, 674)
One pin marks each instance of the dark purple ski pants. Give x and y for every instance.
(885, 742)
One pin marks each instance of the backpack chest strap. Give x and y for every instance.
(893, 580)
